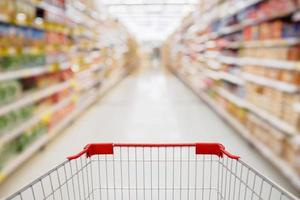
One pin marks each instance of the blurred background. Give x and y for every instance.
(74, 72)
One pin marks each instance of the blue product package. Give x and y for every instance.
(290, 30)
(3, 29)
(297, 29)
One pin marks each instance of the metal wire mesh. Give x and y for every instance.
(153, 173)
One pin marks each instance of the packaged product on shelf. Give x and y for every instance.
(275, 74)
(290, 76)
(20, 47)
(4, 124)
(294, 53)
(45, 80)
(290, 53)
(24, 13)
(26, 112)
(47, 102)
(9, 150)
(29, 136)
(291, 152)
(12, 119)
(266, 134)
(60, 114)
(234, 110)
(6, 10)
(9, 91)
(291, 30)
(261, 96)
(61, 95)
(288, 112)
(6, 153)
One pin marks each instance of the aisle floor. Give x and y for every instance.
(149, 107)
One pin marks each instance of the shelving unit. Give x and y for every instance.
(35, 71)
(234, 99)
(7, 137)
(280, 85)
(247, 71)
(33, 97)
(78, 64)
(281, 165)
(91, 97)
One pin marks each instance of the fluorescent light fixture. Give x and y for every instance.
(149, 19)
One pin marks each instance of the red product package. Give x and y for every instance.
(247, 33)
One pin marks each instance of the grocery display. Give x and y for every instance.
(52, 67)
(214, 72)
(245, 65)
(170, 158)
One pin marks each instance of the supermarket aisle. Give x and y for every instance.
(149, 107)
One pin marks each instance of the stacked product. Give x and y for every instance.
(52, 69)
(245, 64)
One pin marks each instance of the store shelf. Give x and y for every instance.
(284, 42)
(88, 84)
(217, 75)
(42, 141)
(86, 100)
(75, 46)
(278, 85)
(272, 63)
(273, 120)
(12, 134)
(34, 96)
(266, 116)
(239, 6)
(211, 74)
(232, 78)
(271, 43)
(34, 71)
(233, 98)
(238, 27)
(87, 72)
(279, 163)
(229, 60)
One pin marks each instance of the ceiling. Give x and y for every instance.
(148, 20)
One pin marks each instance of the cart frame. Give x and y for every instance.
(187, 171)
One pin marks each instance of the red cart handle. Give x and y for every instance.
(108, 148)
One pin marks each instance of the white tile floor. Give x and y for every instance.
(149, 107)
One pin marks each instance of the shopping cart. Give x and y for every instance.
(153, 172)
